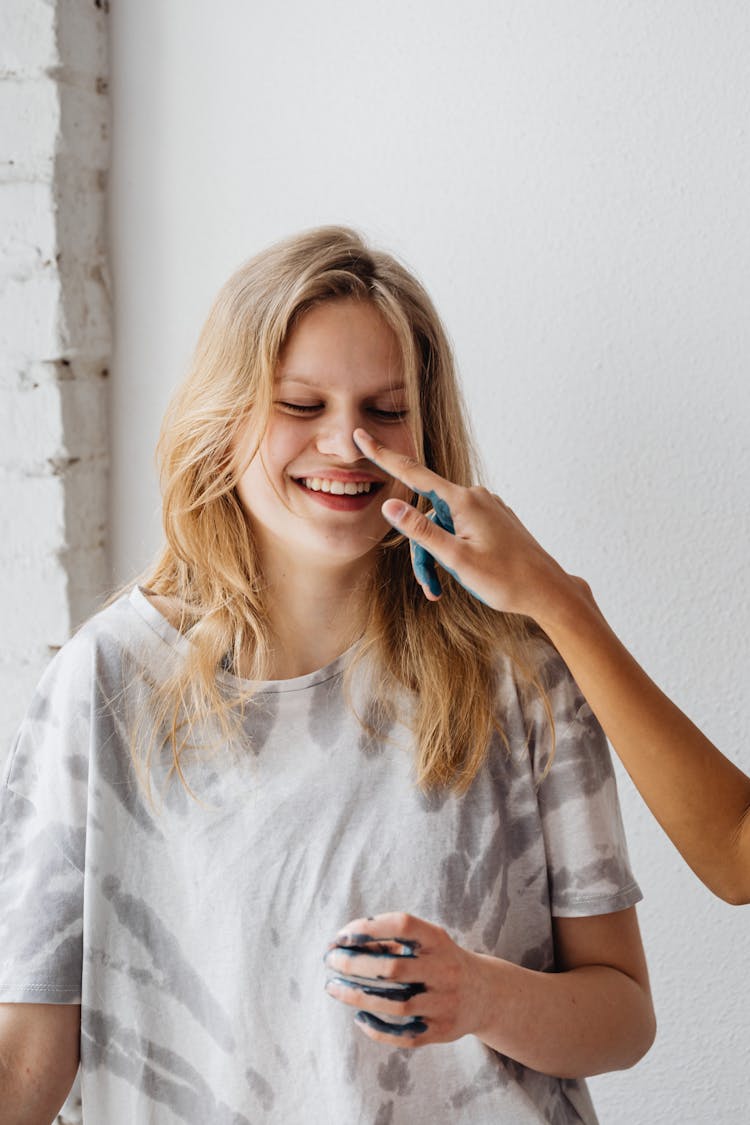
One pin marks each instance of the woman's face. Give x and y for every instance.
(312, 498)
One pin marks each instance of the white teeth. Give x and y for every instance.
(337, 487)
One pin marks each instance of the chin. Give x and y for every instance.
(338, 553)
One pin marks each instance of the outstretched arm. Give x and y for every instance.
(701, 799)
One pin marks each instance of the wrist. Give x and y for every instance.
(562, 601)
(490, 990)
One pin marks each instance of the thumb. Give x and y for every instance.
(420, 529)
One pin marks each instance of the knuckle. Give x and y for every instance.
(421, 523)
(408, 461)
(464, 553)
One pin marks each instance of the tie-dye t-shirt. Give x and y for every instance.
(192, 933)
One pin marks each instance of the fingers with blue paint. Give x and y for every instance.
(407, 470)
(470, 533)
(375, 947)
(392, 991)
(423, 562)
(411, 1028)
(407, 979)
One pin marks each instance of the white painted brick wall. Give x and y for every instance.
(54, 338)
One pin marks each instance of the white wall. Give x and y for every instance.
(572, 182)
(54, 334)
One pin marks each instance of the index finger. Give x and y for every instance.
(410, 472)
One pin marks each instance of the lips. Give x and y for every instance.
(343, 492)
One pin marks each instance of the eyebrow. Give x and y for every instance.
(286, 377)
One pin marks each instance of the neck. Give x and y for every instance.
(314, 616)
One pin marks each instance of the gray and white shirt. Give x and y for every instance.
(192, 933)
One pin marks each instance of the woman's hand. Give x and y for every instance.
(398, 968)
(472, 535)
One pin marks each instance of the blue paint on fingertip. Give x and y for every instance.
(423, 565)
(366, 943)
(381, 951)
(390, 991)
(414, 1027)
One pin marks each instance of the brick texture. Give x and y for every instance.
(54, 338)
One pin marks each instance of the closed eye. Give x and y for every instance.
(298, 408)
(312, 408)
(389, 415)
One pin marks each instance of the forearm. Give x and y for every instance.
(25, 1097)
(574, 1024)
(698, 796)
(38, 1060)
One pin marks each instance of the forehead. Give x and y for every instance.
(340, 341)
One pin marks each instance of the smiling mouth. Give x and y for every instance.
(338, 487)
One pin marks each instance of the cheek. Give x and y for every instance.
(253, 485)
(282, 442)
(271, 456)
(400, 441)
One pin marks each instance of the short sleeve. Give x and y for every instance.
(42, 841)
(587, 857)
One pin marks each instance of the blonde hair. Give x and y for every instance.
(446, 653)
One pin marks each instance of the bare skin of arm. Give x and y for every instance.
(699, 797)
(701, 800)
(39, 1051)
(596, 1011)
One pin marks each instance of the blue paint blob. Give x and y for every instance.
(357, 939)
(392, 991)
(371, 951)
(423, 563)
(442, 512)
(414, 1027)
(366, 943)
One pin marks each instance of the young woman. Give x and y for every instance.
(274, 787)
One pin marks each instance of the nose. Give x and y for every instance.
(334, 437)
